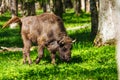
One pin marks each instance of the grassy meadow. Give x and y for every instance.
(88, 62)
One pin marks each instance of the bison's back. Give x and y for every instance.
(52, 25)
(47, 26)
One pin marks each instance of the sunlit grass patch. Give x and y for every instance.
(71, 20)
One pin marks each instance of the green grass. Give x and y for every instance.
(88, 62)
(72, 20)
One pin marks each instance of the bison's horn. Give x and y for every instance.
(73, 40)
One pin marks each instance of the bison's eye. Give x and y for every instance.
(61, 45)
(64, 49)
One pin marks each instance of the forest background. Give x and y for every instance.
(93, 53)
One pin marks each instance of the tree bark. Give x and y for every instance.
(97, 4)
(47, 5)
(28, 7)
(106, 28)
(83, 4)
(14, 11)
(14, 7)
(116, 19)
(58, 8)
(68, 4)
(0, 2)
(94, 18)
(51, 6)
(77, 7)
(5, 5)
(64, 6)
(87, 6)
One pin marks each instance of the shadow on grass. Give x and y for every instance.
(72, 18)
(74, 59)
(82, 36)
(4, 18)
(10, 38)
(47, 59)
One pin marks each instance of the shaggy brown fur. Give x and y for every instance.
(47, 30)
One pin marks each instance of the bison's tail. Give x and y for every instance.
(12, 20)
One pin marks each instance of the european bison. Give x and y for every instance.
(47, 30)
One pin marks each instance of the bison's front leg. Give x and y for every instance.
(40, 54)
(53, 57)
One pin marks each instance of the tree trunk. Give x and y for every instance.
(14, 7)
(116, 19)
(0, 2)
(47, 5)
(68, 4)
(5, 5)
(83, 4)
(87, 6)
(44, 6)
(97, 4)
(64, 5)
(14, 11)
(51, 6)
(106, 29)
(94, 18)
(28, 7)
(58, 8)
(37, 6)
(77, 7)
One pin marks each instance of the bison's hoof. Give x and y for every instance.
(24, 62)
(37, 61)
(53, 62)
(30, 62)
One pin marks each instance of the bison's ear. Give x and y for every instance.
(67, 39)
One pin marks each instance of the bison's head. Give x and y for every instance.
(65, 46)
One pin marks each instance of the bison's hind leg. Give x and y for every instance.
(26, 50)
(26, 54)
